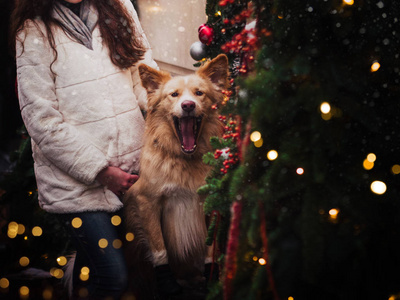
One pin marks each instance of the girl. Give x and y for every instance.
(81, 98)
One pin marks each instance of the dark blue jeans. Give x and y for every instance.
(107, 267)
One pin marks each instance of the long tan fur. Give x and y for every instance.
(163, 207)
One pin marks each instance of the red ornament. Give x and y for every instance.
(206, 34)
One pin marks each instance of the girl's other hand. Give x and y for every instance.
(116, 180)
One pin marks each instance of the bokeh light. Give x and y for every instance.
(62, 260)
(117, 244)
(378, 187)
(333, 213)
(4, 283)
(371, 157)
(255, 136)
(272, 155)
(396, 169)
(116, 220)
(37, 231)
(24, 261)
(129, 236)
(262, 261)
(325, 107)
(348, 2)
(103, 243)
(76, 222)
(300, 171)
(375, 66)
(368, 165)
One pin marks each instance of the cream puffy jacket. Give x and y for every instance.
(82, 113)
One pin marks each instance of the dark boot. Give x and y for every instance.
(165, 281)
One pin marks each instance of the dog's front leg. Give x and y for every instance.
(149, 211)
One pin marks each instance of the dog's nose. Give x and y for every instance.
(188, 105)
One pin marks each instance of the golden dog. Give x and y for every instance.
(163, 207)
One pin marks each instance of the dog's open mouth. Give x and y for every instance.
(188, 129)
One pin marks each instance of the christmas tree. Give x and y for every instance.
(304, 194)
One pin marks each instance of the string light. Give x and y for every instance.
(129, 236)
(255, 136)
(262, 261)
(57, 273)
(325, 107)
(272, 155)
(103, 243)
(24, 261)
(37, 231)
(378, 187)
(333, 213)
(4, 283)
(47, 293)
(76, 222)
(259, 143)
(375, 66)
(21, 229)
(12, 230)
(371, 157)
(300, 171)
(62, 260)
(24, 292)
(348, 2)
(84, 275)
(117, 244)
(396, 169)
(116, 220)
(368, 165)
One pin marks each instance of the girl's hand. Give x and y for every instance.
(116, 180)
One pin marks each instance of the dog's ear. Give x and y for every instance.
(152, 78)
(217, 71)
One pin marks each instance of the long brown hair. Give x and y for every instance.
(116, 26)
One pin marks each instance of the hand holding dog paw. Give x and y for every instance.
(116, 180)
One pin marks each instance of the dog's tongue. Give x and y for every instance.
(187, 130)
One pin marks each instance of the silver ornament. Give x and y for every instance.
(198, 51)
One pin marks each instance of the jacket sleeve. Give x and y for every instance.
(138, 89)
(61, 143)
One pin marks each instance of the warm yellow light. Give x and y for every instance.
(57, 273)
(24, 261)
(12, 230)
(4, 283)
(290, 298)
(327, 116)
(255, 136)
(218, 13)
(258, 143)
(348, 2)
(272, 155)
(375, 66)
(37, 231)
(129, 236)
(21, 229)
(62, 260)
(83, 277)
(371, 157)
(103, 243)
(255, 258)
(333, 213)
(85, 270)
(396, 169)
(116, 220)
(367, 164)
(117, 244)
(325, 107)
(76, 222)
(262, 261)
(392, 298)
(47, 293)
(300, 171)
(378, 187)
(24, 291)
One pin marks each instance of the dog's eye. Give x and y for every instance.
(175, 94)
(199, 93)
